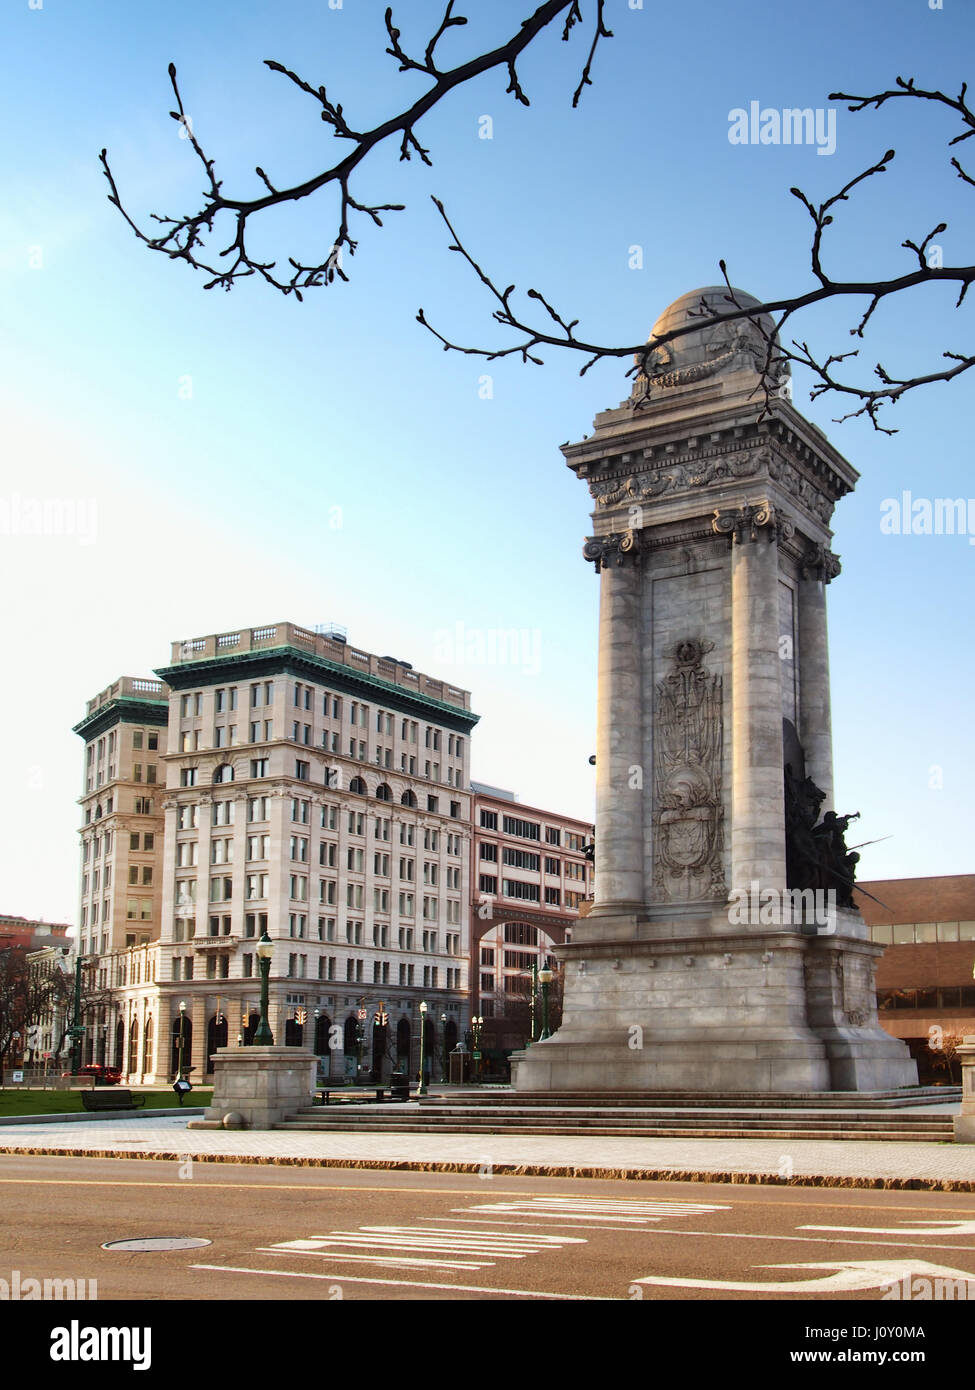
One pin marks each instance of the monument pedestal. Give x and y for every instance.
(681, 1005)
(261, 1085)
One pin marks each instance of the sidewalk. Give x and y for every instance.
(841, 1163)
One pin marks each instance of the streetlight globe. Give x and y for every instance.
(265, 947)
(182, 1006)
(545, 976)
(423, 1008)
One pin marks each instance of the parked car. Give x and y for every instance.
(103, 1075)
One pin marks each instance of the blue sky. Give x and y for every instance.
(332, 463)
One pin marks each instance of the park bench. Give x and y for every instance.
(111, 1100)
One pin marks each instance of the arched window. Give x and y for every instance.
(98, 811)
(224, 773)
(322, 1027)
(403, 1037)
(133, 1048)
(408, 799)
(350, 1041)
(357, 786)
(216, 1037)
(383, 793)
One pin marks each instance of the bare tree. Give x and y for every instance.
(25, 993)
(186, 237)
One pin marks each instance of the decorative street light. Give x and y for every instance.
(544, 979)
(477, 1023)
(443, 1043)
(422, 1088)
(265, 950)
(182, 1023)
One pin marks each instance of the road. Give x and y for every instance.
(301, 1234)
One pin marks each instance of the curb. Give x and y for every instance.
(529, 1170)
(52, 1118)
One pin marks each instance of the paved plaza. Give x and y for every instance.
(950, 1167)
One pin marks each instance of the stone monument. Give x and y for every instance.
(722, 953)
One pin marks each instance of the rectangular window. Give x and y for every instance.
(488, 883)
(552, 866)
(260, 767)
(489, 820)
(525, 892)
(527, 829)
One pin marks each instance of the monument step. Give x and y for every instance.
(631, 1117)
(804, 1100)
(623, 1131)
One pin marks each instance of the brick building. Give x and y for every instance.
(530, 881)
(925, 985)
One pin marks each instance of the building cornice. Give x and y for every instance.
(289, 660)
(122, 711)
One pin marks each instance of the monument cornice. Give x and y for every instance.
(687, 457)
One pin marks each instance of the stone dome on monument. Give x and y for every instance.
(711, 349)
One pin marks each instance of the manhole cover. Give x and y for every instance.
(144, 1243)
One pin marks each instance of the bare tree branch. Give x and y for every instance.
(185, 237)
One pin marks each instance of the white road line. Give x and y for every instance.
(400, 1262)
(409, 1284)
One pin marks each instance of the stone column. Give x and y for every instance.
(815, 726)
(619, 855)
(757, 799)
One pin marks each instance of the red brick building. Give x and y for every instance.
(530, 881)
(31, 935)
(925, 984)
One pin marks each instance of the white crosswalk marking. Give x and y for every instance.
(424, 1246)
(631, 1210)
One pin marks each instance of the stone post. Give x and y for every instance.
(757, 802)
(619, 844)
(964, 1124)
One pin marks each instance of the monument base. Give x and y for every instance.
(258, 1086)
(660, 1005)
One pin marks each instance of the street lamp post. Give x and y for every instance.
(422, 1088)
(443, 1043)
(182, 1022)
(76, 1028)
(545, 979)
(534, 1003)
(265, 950)
(477, 1023)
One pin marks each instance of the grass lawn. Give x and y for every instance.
(24, 1102)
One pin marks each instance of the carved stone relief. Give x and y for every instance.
(687, 816)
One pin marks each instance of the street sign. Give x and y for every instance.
(476, 1056)
(362, 1013)
(16, 1076)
